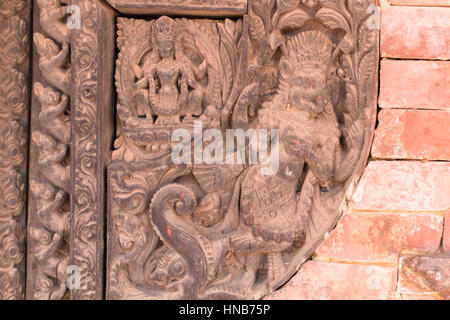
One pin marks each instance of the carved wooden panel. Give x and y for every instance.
(303, 71)
(272, 110)
(14, 91)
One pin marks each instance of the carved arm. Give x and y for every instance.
(61, 58)
(51, 111)
(51, 249)
(57, 156)
(184, 81)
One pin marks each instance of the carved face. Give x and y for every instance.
(165, 48)
(307, 84)
(47, 95)
(45, 47)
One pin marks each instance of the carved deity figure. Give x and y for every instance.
(272, 219)
(172, 86)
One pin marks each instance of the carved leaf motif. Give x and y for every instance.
(367, 38)
(366, 66)
(286, 5)
(294, 19)
(332, 19)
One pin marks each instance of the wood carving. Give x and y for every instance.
(14, 46)
(92, 133)
(48, 225)
(209, 8)
(53, 19)
(53, 115)
(215, 231)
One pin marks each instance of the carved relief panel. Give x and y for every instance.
(301, 75)
(217, 139)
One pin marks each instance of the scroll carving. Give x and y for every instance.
(305, 69)
(14, 48)
(50, 177)
(92, 128)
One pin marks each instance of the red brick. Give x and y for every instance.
(446, 242)
(337, 281)
(414, 84)
(403, 185)
(425, 275)
(441, 3)
(412, 134)
(374, 237)
(415, 32)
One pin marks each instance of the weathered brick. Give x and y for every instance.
(446, 241)
(414, 84)
(378, 237)
(403, 185)
(424, 275)
(440, 3)
(337, 281)
(412, 134)
(415, 32)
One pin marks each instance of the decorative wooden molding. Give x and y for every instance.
(49, 179)
(306, 68)
(208, 8)
(14, 101)
(92, 124)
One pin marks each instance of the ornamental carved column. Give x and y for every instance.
(14, 104)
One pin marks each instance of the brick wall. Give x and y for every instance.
(393, 241)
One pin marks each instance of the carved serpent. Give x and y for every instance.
(170, 208)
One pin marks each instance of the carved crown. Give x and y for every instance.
(310, 49)
(165, 29)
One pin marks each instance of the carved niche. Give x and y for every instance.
(305, 69)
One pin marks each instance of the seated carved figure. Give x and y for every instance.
(243, 251)
(172, 87)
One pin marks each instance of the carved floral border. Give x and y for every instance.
(14, 47)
